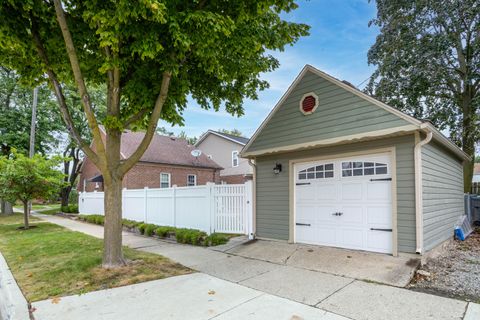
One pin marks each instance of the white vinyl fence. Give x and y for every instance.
(226, 208)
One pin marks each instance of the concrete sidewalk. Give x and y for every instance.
(344, 296)
(193, 296)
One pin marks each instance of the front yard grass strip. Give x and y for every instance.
(51, 261)
(181, 235)
(16, 218)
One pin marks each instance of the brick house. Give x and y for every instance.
(167, 161)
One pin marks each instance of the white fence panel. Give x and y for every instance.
(91, 203)
(211, 208)
(161, 207)
(133, 204)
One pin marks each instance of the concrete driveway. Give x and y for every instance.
(292, 273)
(360, 265)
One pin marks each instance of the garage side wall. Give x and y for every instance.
(443, 202)
(272, 220)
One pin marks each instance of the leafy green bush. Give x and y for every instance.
(141, 228)
(163, 231)
(73, 199)
(216, 239)
(130, 223)
(190, 236)
(71, 208)
(149, 229)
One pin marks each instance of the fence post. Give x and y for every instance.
(210, 205)
(249, 208)
(174, 199)
(145, 199)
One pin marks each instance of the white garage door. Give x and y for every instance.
(345, 203)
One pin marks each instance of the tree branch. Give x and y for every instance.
(152, 124)
(72, 55)
(67, 118)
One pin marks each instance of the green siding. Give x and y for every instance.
(339, 113)
(273, 190)
(443, 201)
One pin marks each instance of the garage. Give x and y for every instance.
(336, 167)
(345, 203)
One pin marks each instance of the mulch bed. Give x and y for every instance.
(456, 273)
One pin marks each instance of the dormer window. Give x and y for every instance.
(308, 103)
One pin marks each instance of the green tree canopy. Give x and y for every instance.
(26, 179)
(151, 55)
(428, 65)
(233, 132)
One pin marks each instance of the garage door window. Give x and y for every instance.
(359, 168)
(317, 172)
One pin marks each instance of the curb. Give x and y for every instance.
(13, 305)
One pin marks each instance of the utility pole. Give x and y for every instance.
(32, 132)
(34, 122)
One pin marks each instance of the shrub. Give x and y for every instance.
(130, 223)
(149, 229)
(141, 228)
(163, 231)
(216, 239)
(190, 236)
(73, 199)
(71, 208)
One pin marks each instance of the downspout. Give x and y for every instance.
(419, 188)
(254, 197)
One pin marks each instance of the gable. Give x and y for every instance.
(341, 112)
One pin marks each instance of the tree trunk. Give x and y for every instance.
(26, 213)
(468, 139)
(112, 179)
(65, 195)
(112, 251)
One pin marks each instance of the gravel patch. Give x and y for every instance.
(454, 274)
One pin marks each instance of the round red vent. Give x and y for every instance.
(308, 104)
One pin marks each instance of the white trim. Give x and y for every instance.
(237, 155)
(169, 179)
(417, 151)
(300, 103)
(428, 127)
(204, 136)
(325, 142)
(194, 179)
(393, 173)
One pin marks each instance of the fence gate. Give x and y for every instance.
(232, 208)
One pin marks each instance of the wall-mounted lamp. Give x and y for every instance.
(278, 168)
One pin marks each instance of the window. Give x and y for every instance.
(359, 168)
(191, 180)
(317, 172)
(235, 159)
(164, 180)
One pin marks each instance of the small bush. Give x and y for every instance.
(216, 239)
(190, 236)
(73, 199)
(163, 231)
(71, 208)
(141, 228)
(130, 223)
(149, 229)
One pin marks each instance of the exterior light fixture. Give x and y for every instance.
(278, 168)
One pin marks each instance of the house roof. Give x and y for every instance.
(414, 123)
(240, 140)
(165, 150)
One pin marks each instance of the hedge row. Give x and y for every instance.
(182, 235)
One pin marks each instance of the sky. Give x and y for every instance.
(338, 44)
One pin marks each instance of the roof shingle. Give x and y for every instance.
(165, 150)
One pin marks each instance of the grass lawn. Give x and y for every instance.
(51, 261)
(40, 207)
